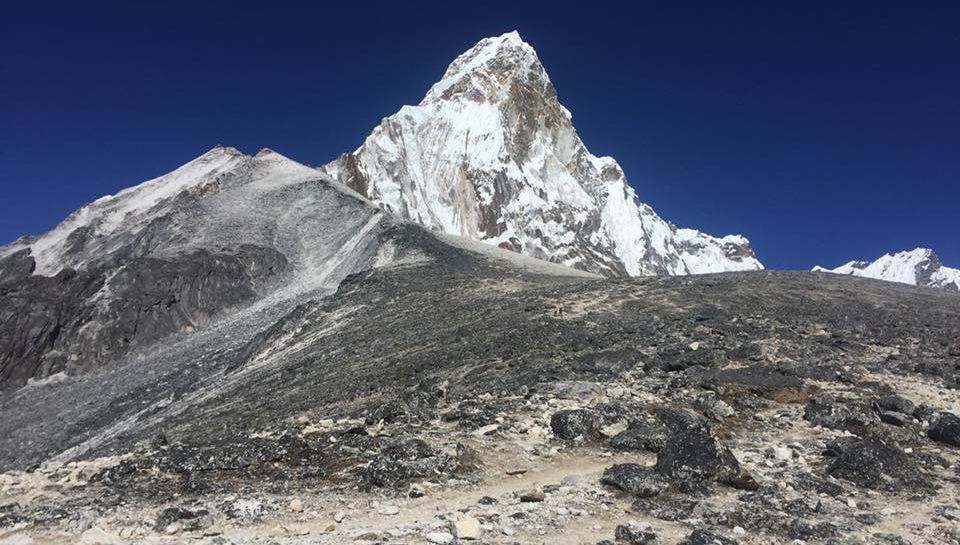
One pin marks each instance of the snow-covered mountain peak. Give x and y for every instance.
(487, 70)
(492, 155)
(919, 267)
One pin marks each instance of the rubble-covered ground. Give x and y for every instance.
(458, 398)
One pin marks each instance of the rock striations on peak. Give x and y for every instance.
(491, 154)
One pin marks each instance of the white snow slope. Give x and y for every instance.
(919, 267)
(490, 154)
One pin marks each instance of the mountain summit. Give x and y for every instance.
(919, 267)
(491, 154)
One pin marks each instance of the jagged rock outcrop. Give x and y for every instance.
(491, 154)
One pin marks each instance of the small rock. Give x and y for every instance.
(85, 520)
(633, 536)
(704, 537)
(247, 510)
(440, 538)
(575, 423)
(416, 491)
(781, 453)
(296, 505)
(388, 510)
(184, 518)
(532, 496)
(339, 516)
(468, 528)
(867, 518)
(489, 428)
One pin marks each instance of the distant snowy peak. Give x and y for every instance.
(919, 267)
(491, 154)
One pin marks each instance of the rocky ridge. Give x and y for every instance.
(919, 267)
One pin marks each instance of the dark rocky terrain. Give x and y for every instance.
(245, 351)
(444, 397)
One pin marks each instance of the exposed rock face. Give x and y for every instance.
(77, 319)
(168, 256)
(919, 267)
(492, 155)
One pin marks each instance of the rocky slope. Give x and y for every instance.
(919, 267)
(175, 254)
(445, 398)
(491, 154)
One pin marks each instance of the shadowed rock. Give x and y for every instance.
(852, 415)
(946, 429)
(878, 464)
(636, 479)
(575, 423)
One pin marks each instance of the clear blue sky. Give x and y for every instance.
(823, 130)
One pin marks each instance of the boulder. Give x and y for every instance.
(571, 424)
(851, 415)
(187, 519)
(641, 481)
(692, 458)
(403, 458)
(705, 537)
(878, 464)
(946, 429)
(896, 403)
(650, 437)
(632, 535)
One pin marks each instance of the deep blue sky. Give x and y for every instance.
(824, 131)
